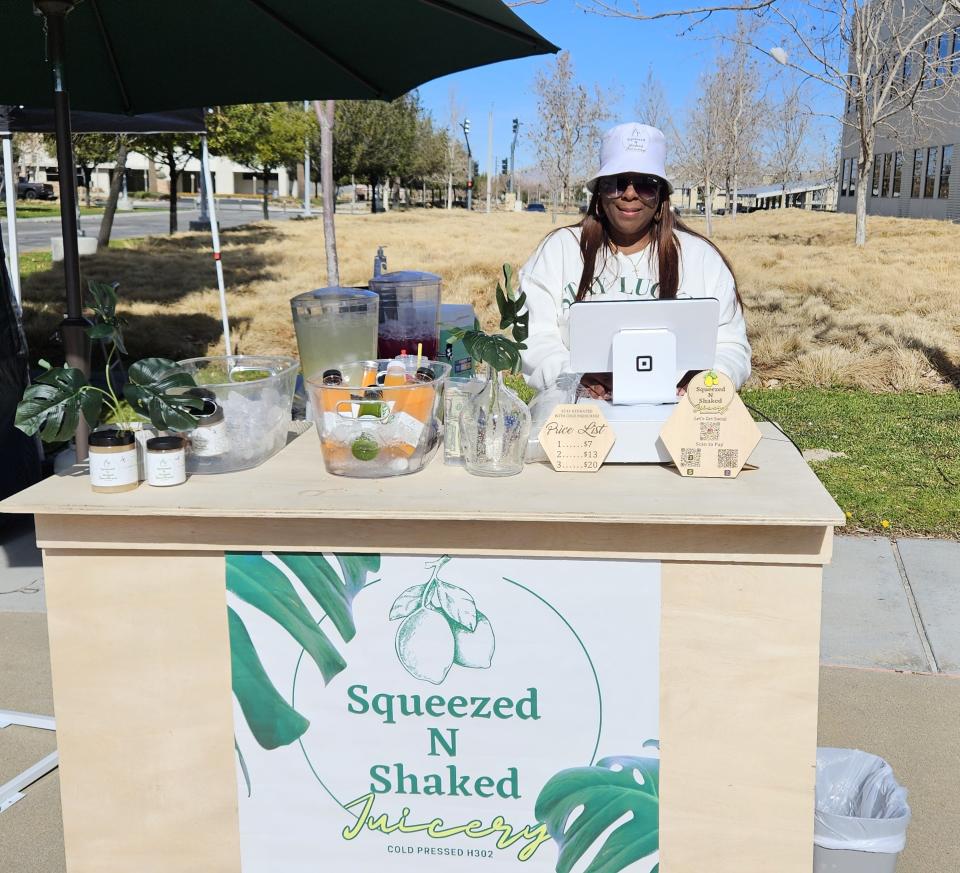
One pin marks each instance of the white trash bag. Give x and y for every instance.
(860, 805)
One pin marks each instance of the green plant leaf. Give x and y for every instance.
(148, 392)
(104, 305)
(407, 602)
(261, 584)
(605, 795)
(54, 403)
(243, 766)
(495, 350)
(458, 604)
(273, 722)
(355, 568)
(326, 587)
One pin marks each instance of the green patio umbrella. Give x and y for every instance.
(135, 57)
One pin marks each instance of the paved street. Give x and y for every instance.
(33, 234)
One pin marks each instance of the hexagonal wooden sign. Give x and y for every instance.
(710, 433)
(577, 438)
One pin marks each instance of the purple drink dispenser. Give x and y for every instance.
(409, 313)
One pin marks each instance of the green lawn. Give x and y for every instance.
(46, 209)
(35, 262)
(902, 454)
(901, 470)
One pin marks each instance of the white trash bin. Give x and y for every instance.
(861, 814)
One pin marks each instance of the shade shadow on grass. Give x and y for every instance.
(154, 272)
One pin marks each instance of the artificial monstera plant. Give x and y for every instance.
(53, 404)
(497, 351)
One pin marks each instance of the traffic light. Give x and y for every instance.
(466, 125)
(469, 183)
(476, 168)
(503, 166)
(516, 124)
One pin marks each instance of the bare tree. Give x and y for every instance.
(453, 140)
(567, 131)
(790, 121)
(652, 107)
(892, 61)
(743, 114)
(702, 154)
(325, 115)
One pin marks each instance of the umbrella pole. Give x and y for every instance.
(215, 233)
(10, 185)
(73, 329)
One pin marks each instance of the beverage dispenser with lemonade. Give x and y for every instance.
(334, 325)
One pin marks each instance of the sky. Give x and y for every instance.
(615, 53)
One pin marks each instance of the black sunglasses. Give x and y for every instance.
(647, 188)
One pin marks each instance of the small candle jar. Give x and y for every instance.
(113, 461)
(209, 438)
(166, 461)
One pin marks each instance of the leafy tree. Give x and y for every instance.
(89, 149)
(262, 136)
(172, 151)
(376, 140)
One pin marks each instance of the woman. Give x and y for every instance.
(628, 246)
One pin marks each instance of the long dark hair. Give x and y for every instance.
(595, 235)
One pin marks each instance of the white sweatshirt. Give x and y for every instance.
(551, 276)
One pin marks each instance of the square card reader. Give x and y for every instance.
(647, 346)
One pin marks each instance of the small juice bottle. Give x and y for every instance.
(417, 410)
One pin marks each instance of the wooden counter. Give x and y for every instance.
(141, 660)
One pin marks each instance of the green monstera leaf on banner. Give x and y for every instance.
(251, 577)
(604, 794)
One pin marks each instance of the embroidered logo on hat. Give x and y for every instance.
(636, 141)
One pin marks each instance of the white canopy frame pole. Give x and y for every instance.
(10, 185)
(215, 233)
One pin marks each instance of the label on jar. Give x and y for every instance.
(109, 469)
(210, 441)
(409, 429)
(166, 468)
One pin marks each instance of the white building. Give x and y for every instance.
(143, 175)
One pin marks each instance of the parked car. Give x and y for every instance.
(536, 207)
(35, 190)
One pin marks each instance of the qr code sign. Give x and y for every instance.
(690, 457)
(709, 430)
(728, 458)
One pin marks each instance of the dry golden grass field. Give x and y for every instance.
(820, 313)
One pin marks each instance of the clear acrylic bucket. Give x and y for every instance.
(371, 427)
(254, 393)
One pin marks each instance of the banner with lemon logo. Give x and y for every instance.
(393, 712)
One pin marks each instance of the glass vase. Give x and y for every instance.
(494, 427)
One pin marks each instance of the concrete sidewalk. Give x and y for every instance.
(890, 684)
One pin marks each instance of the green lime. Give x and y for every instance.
(372, 408)
(365, 448)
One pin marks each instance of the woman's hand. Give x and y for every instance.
(599, 385)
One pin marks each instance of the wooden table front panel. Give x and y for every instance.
(141, 670)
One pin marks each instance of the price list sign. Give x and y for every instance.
(576, 438)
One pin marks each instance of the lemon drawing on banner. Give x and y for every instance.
(441, 627)
(710, 379)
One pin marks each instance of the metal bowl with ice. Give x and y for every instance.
(377, 419)
(254, 393)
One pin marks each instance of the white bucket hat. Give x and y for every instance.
(632, 148)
